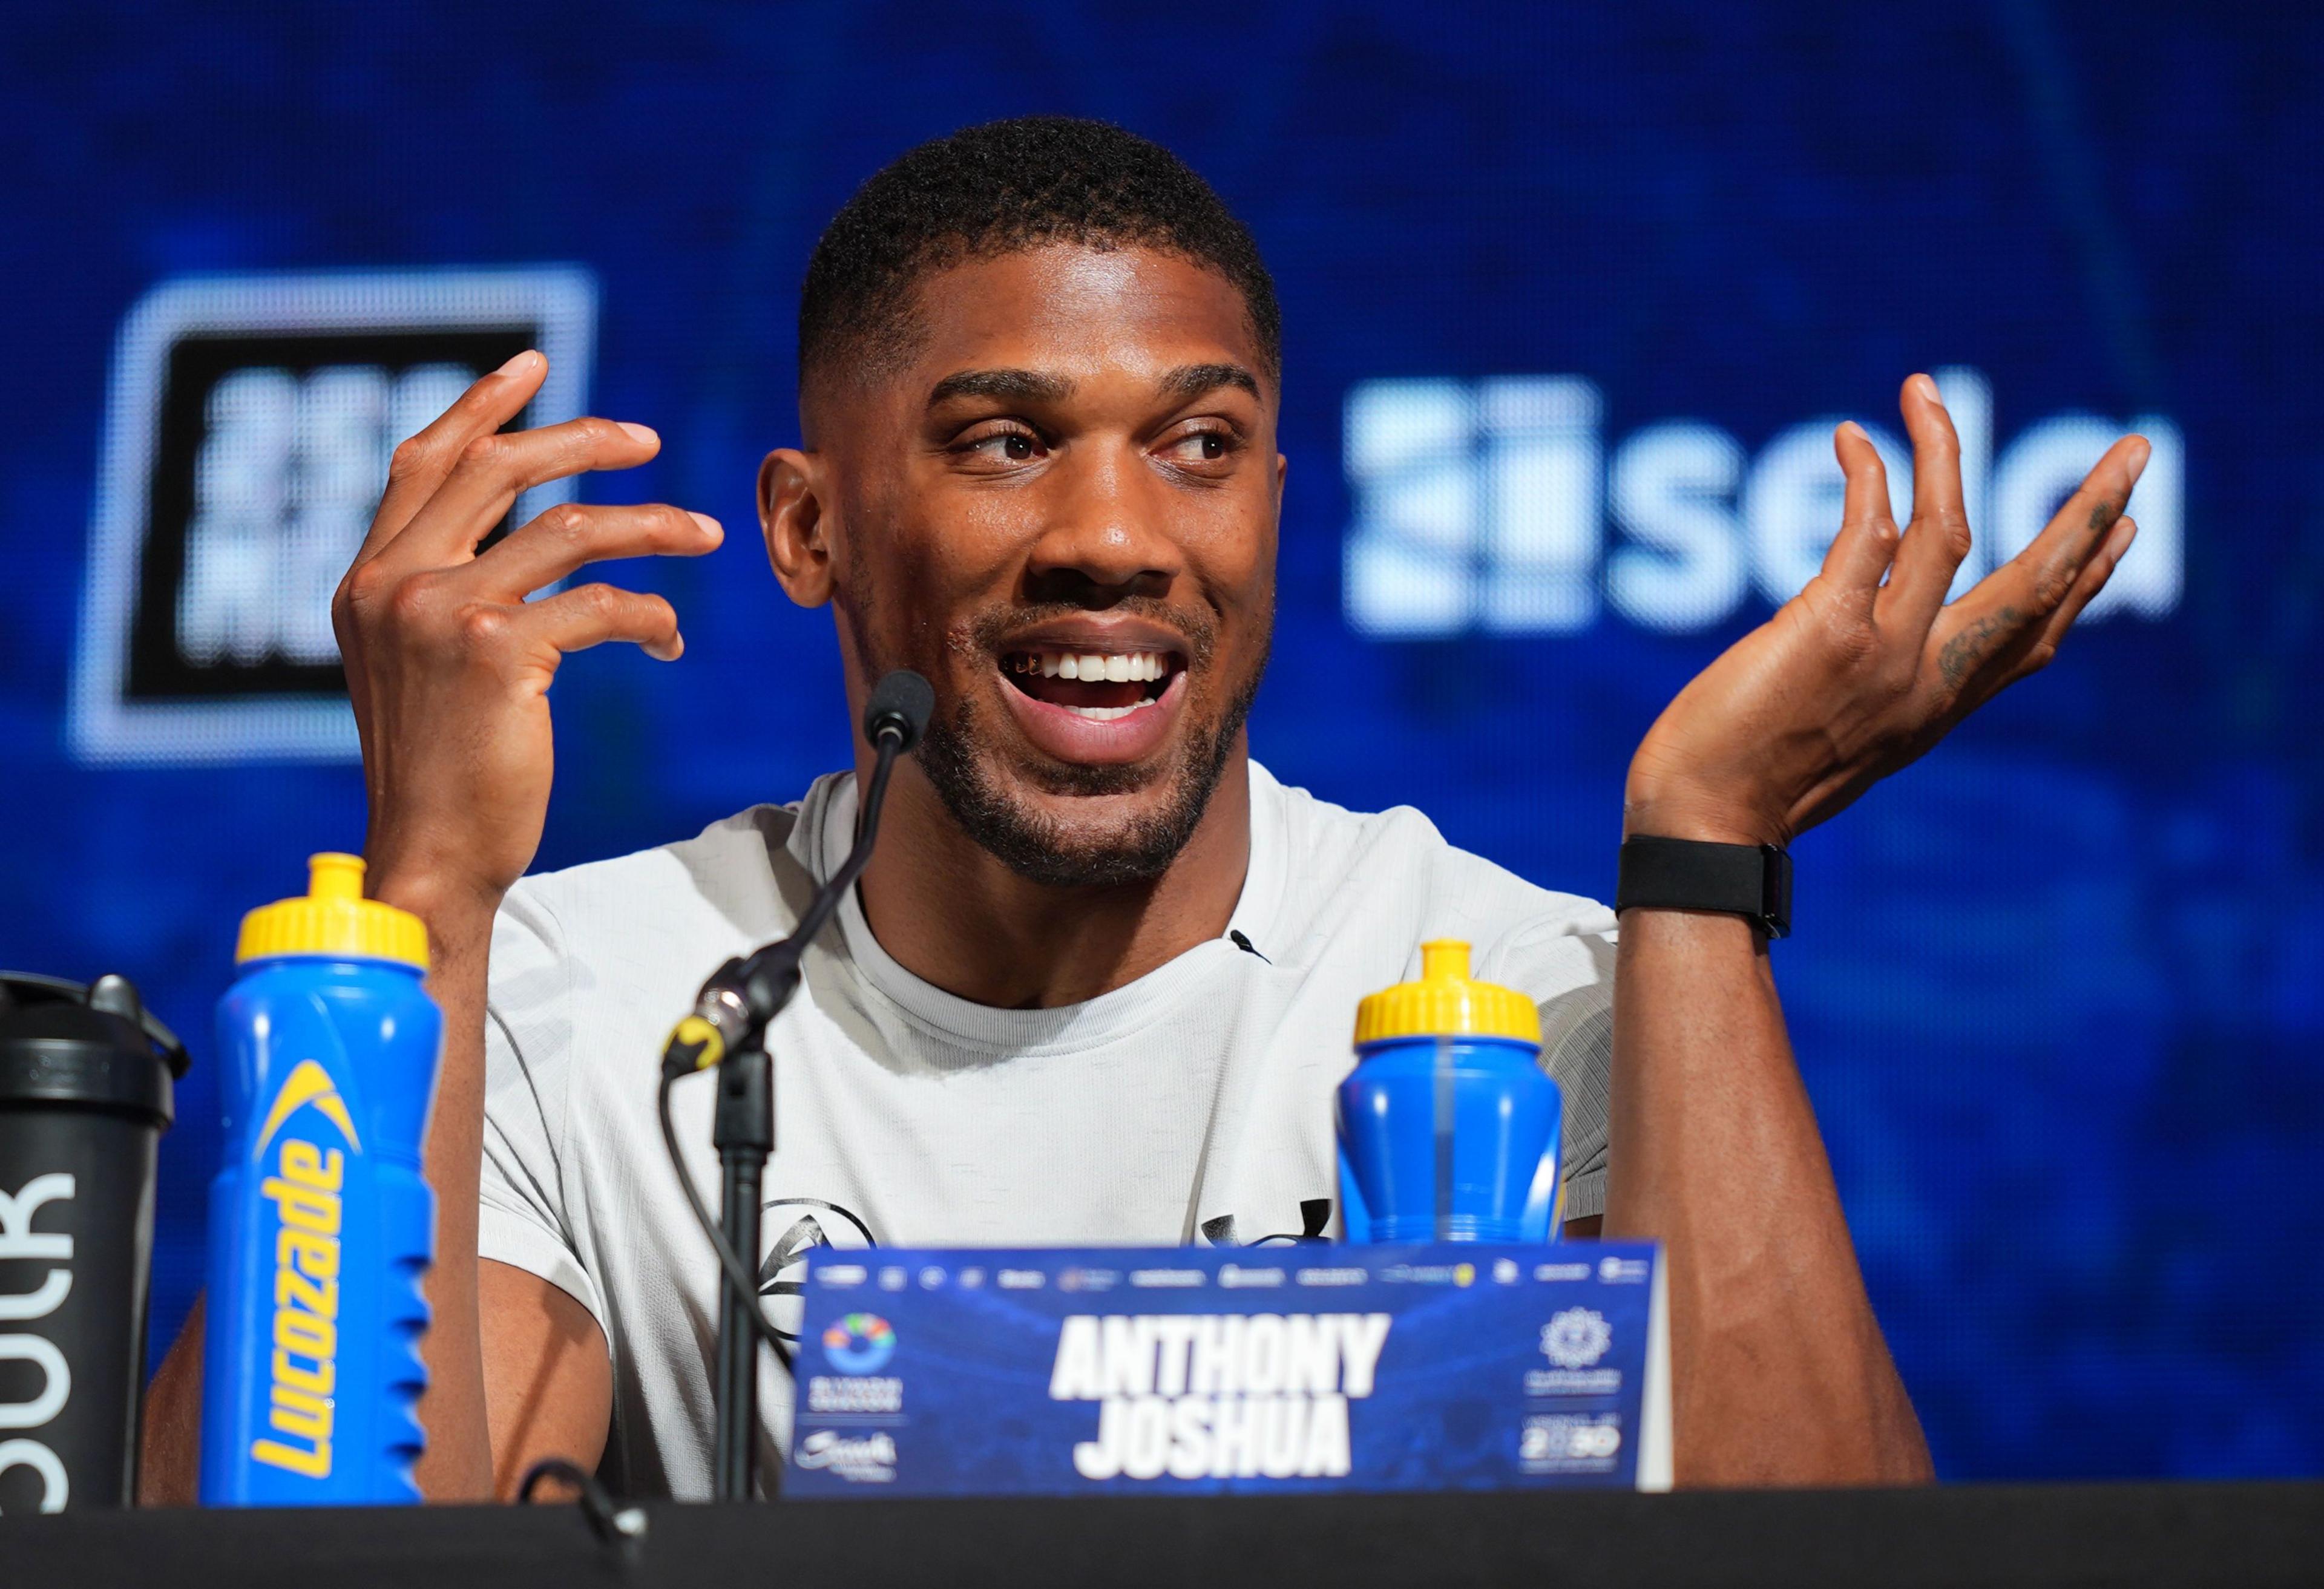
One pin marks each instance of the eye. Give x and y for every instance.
(990, 445)
(1211, 444)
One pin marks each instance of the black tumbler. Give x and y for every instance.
(85, 1095)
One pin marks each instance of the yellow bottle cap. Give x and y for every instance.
(333, 917)
(1444, 1002)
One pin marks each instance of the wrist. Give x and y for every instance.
(455, 911)
(1677, 812)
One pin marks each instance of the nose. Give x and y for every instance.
(1107, 534)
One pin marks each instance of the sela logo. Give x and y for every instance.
(18, 1239)
(1484, 506)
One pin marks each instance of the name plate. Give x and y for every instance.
(1449, 1366)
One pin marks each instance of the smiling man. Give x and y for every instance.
(1097, 985)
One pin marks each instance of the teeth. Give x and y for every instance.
(1108, 713)
(1118, 667)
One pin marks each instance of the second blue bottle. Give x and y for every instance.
(1448, 1126)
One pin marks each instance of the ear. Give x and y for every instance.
(790, 516)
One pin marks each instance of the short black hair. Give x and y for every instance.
(998, 188)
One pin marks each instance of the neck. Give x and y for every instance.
(951, 914)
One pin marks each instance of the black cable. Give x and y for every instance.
(867, 819)
(611, 1522)
(737, 1275)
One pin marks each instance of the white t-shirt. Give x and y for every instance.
(915, 1118)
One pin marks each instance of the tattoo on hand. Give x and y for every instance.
(1966, 651)
(2102, 517)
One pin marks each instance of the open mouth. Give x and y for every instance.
(1096, 686)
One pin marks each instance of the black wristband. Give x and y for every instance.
(1750, 880)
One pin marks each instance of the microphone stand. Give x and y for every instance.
(727, 1032)
(743, 1132)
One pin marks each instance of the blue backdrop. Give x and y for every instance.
(1561, 282)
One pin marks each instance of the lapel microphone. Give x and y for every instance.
(732, 1011)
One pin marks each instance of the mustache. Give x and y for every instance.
(985, 634)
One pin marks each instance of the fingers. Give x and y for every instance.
(2041, 579)
(1938, 539)
(1866, 542)
(492, 470)
(2087, 585)
(421, 462)
(1991, 642)
(1936, 453)
(593, 614)
(571, 534)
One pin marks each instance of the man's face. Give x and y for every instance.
(1062, 509)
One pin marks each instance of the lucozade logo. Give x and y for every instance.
(304, 1191)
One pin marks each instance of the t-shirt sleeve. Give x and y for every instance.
(1568, 966)
(529, 1060)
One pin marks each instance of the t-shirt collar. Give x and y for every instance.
(825, 828)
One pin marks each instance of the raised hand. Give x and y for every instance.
(1869, 666)
(449, 666)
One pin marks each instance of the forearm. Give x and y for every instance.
(170, 1455)
(1779, 1372)
(457, 1464)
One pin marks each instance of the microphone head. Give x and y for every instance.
(901, 705)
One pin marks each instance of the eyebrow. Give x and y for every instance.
(1189, 382)
(1020, 385)
(1186, 383)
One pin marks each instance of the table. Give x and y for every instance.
(2244, 1534)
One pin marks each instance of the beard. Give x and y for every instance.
(961, 755)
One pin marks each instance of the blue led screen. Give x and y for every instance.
(1573, 295)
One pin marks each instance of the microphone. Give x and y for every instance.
(732, 1011)
(901, 705)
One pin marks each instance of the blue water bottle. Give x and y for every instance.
(320, 1225)
(1449, 1125)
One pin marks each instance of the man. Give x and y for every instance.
(1097, 984)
